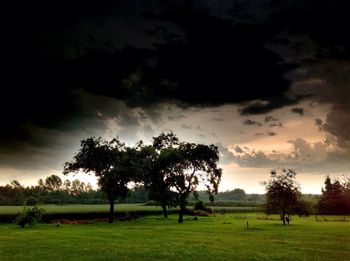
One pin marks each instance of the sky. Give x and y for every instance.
(267, 81)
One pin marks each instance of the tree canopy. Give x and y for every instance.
(185, 165)
(335, 199)
(169, 168)
(110, 161)
(282, 193)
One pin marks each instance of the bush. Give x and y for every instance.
(31, 201)
(200, 206)
(29, 216)
(200, 209)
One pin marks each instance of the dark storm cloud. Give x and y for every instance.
(331, 86)
(270, 105)
(193, 53)
(297, 110)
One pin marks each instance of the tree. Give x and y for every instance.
(335, 198)
(17, 196)
(155, 176)
(67, 185)
(190, 165)
(53, 183)
(110, 162)
(282, 193)
(173, 169)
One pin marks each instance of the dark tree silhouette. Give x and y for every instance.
(53, 183)
(335, 198)
(173, 169)
(110, 162)
(282, 193)
(197, 163)
(156, 176)
(185, 165)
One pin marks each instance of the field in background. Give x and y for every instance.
(77, 208)
(76, 211)
(218, 237)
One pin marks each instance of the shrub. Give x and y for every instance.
(29, 216)
(200, 206)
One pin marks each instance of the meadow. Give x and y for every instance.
(217, 237)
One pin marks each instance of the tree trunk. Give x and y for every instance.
(283, 214)
(111, 211)
(182, 211)
(181, 214)
(165, 211)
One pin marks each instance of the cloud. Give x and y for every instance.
(217, 119)
(238, 149)
(271, 133)
(298, 110)
(187, 127)
(321, 156)
(267, 106)
(319, 123)
(337, 123)
(251, 122)
(270, 118)
(226, 156)
(329, 84)
(109, 68)
(276, 125)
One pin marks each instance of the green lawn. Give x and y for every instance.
(77, 208)
(220, 237)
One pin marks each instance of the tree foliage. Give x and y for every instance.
(53, 183)
(335, 199)
(184, 166)
(282, 194)
(110, 162)
(29, 216)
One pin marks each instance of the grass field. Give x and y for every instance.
(77, 208)
(219, 237)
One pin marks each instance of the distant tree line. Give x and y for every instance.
(54, 190)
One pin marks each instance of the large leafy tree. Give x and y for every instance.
(335, 198)
(175, 169)
(194, 164)
(184, 166)
(154, 172)
(110, 162)
(282, 193)
(53, 183)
